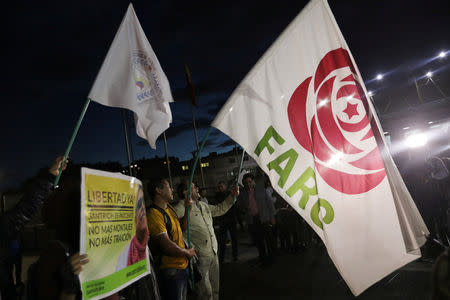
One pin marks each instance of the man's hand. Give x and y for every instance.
(77, 262)
(54, 169)
(190, 252)
(235, 191)
(188, 203)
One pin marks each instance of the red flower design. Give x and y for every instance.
(345, 151)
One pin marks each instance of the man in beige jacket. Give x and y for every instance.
(203, 237)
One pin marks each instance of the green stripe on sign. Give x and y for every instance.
(106, 284)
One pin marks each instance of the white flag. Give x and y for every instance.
(303, 115)
(132, 78)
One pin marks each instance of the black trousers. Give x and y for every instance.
(262, 235)
(223, 229)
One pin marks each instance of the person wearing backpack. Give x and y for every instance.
(166, 242)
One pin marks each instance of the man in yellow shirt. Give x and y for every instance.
(167, 241)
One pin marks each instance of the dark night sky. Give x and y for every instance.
(55, 49)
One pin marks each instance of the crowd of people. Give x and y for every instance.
(163, 228)
(178, 251)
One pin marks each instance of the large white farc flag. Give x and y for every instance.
(303, 115)
(132, 78)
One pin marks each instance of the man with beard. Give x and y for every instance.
(167, 243)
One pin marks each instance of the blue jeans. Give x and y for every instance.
(173, 283)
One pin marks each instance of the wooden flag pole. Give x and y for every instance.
(72, 139)
(196, 142)
(127, 142)
(191, 89)
(167, 158)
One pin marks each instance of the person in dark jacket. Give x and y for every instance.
(13, 221)
(227, 224)
(55, 274)
(260, 216)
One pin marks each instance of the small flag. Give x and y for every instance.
(190, 85)
(302, 113)
(131, 77)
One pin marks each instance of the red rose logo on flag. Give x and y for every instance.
(328, 114)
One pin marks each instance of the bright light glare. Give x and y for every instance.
(370, 93)
(379, 77)
(334, 159)
(322, 102)
(429, 74)
(416, 140)
(442, 54)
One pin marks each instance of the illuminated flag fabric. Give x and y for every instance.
(302, 113)
(131, 77)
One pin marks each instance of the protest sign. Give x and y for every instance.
(113, 232)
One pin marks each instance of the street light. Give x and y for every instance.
(370, 93)
(379, 76)
(430, 75)
(442, 54)
(415, 140)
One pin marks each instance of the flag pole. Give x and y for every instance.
(196, 142)
(190, 86)
(240, 169)
(167, 158)
(72, 139)
(127, 142)
(189, 197)
(240, 165)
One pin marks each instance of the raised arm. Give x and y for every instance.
(13, 221)
(221, 208)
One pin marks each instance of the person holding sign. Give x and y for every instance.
(55, 276)
(166, 241)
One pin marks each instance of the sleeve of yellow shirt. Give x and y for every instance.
(221, 208)
(155, 221)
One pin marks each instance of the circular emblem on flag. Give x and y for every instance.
(146, 79)
(328, 115)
